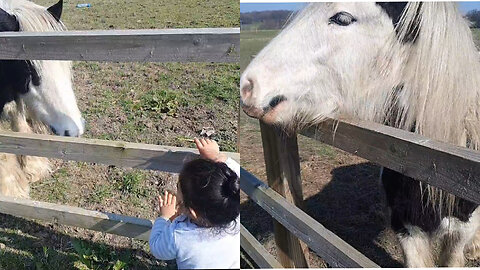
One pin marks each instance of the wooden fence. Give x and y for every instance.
(172, 45)
(451, 168)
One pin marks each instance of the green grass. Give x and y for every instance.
(126, 14)
(251, 42)
(476, 36)
(131, 183)
(100, 193)
(100, 256)
(57, 187)
(144, 96)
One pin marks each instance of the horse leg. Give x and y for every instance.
(416, 246)
(35, 168)
(12, 181)
(451, 250)
(472, 249)
(457, 237)
(409, 219)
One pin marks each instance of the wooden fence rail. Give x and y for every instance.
(67, 215)
(451, 168)
(331, 248)
(122, 154)
(256, 251)
(169, 45)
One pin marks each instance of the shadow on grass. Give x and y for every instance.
(29, 245)
(351, 205)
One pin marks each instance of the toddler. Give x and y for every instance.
(202, 230)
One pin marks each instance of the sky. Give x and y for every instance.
(247, 7)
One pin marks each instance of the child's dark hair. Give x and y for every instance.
(212, 189)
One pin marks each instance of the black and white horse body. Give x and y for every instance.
(412, 66)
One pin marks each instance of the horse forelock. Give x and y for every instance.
(35, 18)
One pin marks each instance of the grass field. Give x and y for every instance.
(149, 103)
(341, 191)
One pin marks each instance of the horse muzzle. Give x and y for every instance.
(71, 130)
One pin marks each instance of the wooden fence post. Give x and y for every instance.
(283, 173)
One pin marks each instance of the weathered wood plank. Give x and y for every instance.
(169, 45)
(446, 166)
(122, 154)
(283, 174)
(335, 251)
(256, 251)
(93, 220)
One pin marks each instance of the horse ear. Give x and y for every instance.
(56, 10)
(8, 22)
(394, 10)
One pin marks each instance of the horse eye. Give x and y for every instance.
(342, 18)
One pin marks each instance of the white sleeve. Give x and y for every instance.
(162, 240)
(232, 164)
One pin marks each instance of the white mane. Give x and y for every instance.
(440, 74)
(430, 86)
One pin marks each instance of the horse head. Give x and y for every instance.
(45, 87)
(320, 65)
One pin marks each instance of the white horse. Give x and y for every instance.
(413, 66)
(37, 90)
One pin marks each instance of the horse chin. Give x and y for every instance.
(253, 111)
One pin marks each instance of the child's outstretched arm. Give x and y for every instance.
(162, 240)
(209, 150)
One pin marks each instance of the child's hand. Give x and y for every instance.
(209, 150)
(168, 205)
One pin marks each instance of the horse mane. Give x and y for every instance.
(440, 75)
(437, 79)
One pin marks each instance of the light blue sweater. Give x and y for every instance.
(196, 247)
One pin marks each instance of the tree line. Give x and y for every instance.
(276, 19)
(265, 20)
(474, 17)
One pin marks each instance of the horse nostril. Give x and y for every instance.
(53, 130)
(67, 133)
(247, 88)
(276, 100)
